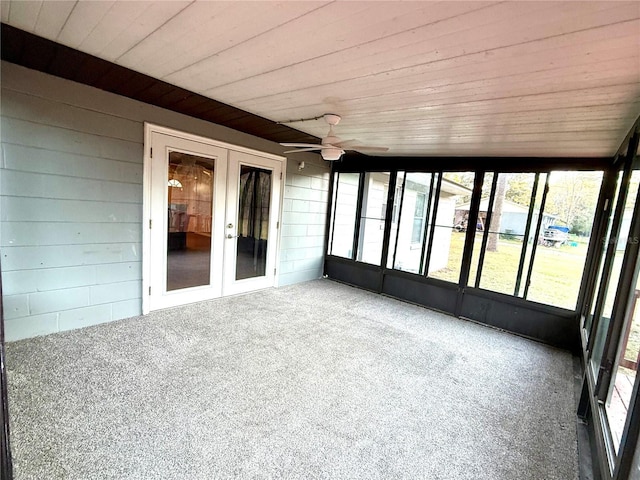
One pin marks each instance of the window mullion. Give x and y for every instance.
(537, 235)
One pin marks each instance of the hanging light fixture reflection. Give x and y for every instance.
(174, 182)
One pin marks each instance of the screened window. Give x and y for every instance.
(508, 232)
(373, 214)
(605, 242)
(345, 202)
(529, 231)
(447, 238)
(409, 234)
(616, 270)
(567, 219)
(536, 229)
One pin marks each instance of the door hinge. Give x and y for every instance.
(280, 175)
(277, 225)
(149, 290)
(150, 223)
(151, 152)
(274, 271)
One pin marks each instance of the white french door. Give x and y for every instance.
(253, 207)
(212, 220)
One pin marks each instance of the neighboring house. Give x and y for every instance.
(512, 221)
(412, 228)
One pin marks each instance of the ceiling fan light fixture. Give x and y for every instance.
(331, 154)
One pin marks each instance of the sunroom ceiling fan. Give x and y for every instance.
(332, 147)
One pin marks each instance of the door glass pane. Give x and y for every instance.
(253, 222)
(344, 214)
(190, 202)
(374, 208)
(448, 238)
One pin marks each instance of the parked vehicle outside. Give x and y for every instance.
(554, 236)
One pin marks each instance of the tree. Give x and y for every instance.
(572, 197)
(520, 186)
(496, 215)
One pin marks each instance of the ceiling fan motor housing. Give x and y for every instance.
(331, 118)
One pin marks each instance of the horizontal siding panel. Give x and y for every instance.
(37, 109)
(286, 266)
(301, 193)
(58, 233)
(126, 309)
(115, 292)
(299, 276)
(316, 230)
(46, 210)
(302, 242)
(33, 326)
(18, 281)
(40, 185)
(58, 300)
(15, 306)
(42, 280)
(38, 160)
(293, 230)
(303, 218)
(295, 254)
(302, 181)
(31, 134)
(84, 317)
(118, 272)
(302, 265)
(309, 206)
(24, 258)
(286, 204)
(321, 183)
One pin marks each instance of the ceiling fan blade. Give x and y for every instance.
(303, 145)
(343, 143)
(363, 148)
(310, 149)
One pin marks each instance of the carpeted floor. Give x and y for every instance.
(314, 381)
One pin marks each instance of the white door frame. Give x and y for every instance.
(149, 129)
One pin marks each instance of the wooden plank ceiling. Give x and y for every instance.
(545, 79)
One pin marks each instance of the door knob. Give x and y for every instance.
(230, 225)
(231, 236)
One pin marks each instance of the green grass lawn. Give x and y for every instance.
(556, 274)
(555, 280)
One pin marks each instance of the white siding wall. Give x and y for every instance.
(71, 202)
(303, 221)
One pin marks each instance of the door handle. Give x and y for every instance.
(231, 236)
